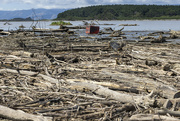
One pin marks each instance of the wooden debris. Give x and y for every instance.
(160, 39)
(69, 77)
(116, 46)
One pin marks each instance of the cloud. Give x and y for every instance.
(26, 4)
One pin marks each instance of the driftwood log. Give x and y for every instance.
(151, 117)
(125, 98)
(19, 115)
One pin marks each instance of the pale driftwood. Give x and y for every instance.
(77, 95)
(22, 53)
(174, 32)
(110, 85)
(164, 87)
(151, 117)
(11, 87)
(174, 71)
(128, 25)
(160, 39)
(19, 115)
(145, 37)
(4, 33)
(30, 73)
(106, 84)
(166, 111)
(125, 98)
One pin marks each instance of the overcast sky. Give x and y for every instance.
(61, 4)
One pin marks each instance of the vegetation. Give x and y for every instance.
(60, 23)
(22, 19)
(122, 12)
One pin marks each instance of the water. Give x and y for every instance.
(143, 28)
(143, 25)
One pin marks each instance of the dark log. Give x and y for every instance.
(116, 46)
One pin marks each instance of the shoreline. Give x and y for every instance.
(95, 19)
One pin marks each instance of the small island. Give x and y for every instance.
(58, 23)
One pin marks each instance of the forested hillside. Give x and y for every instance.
(122, 12)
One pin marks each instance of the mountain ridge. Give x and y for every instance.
(37, 14)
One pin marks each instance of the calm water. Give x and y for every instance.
(131, 32)
(143, 25)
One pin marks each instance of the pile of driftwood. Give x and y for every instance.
(71, 78)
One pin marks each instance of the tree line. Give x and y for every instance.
(19, 19)
(122, 12)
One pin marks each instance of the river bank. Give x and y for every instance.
(65, 76)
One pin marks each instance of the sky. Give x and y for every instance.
(68, 4)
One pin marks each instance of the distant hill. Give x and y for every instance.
(40, 13)
(122, 12)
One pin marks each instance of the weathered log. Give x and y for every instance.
(116, 46)
(19, 115)
(125, 98)
(4, 33)
(128, 25)
(176, 72)
(151, 62)
(126, 107)
(151, 117)
(45, 77)
(174, 32)
(110, 85)
(160, 39)
(166, 111)
(22, 53)
(146, 37)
